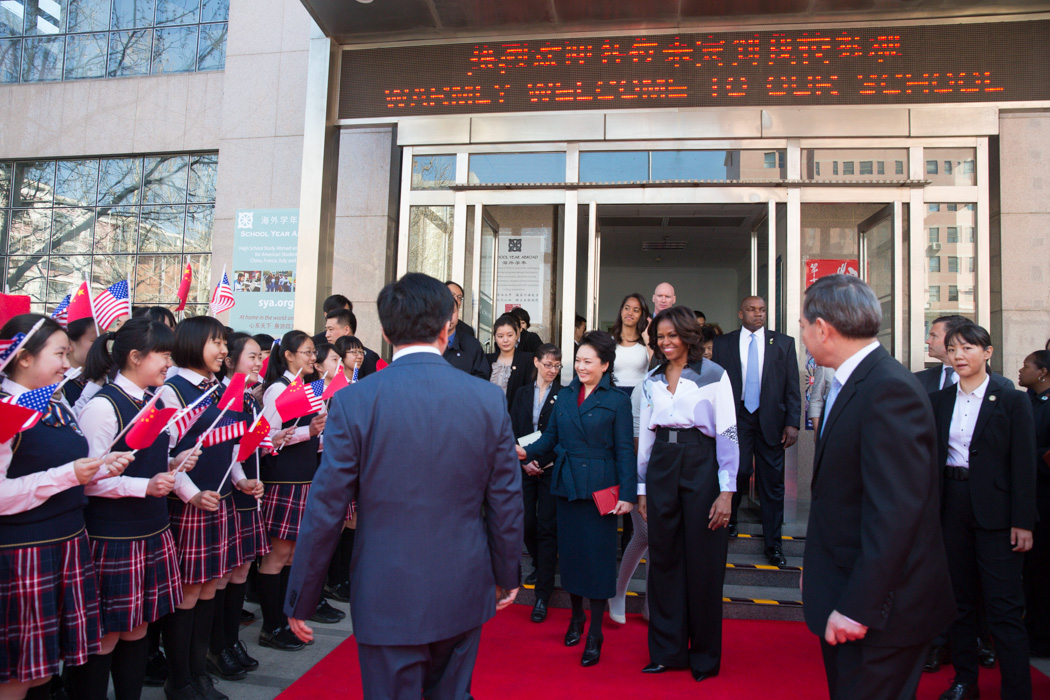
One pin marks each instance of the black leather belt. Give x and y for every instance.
(957, 473)
(679, 435)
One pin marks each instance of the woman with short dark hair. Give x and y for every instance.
(511, 367)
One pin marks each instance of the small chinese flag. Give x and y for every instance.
(80, 304)
(184, 287)
(253, 439)
(338, 382)
(12, 305)
(233, 393)
(149, 426)
(294, 402)
(15, 418)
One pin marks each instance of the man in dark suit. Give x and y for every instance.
(340, 322)
(936, 378)
(876, 587)
(428, 569)
(464, 352)
(527, 341)
(458, 295)
(763, 369)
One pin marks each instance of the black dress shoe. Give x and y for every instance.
(732, 529)
(282, 639)
(592, 651)
(225, 666)
(986, 654)
(530, 580)
(937, 657)
(775, 555)
(539, 610)
(247, 617)
(961, 691)
(326, 614)
(575, 631)
(704, 675)
(240, 652)
(339, 592)
(655, 668)
(206, 687)
(156, 670)
(186, 692)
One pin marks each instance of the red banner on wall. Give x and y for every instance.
(815, 269)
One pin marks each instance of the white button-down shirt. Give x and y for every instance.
(745, 343)
(964, 420)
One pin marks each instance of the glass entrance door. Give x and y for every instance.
(876, 240)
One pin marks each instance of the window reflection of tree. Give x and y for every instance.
(129, 52)
(212, 41)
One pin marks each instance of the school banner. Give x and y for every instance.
(265, 245)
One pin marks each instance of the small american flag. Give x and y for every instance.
(316, 390)
(267, 445)
(38, 399)
(353, 379)
(189, 416)
(61, 312)
(222, 298)
(10, 347)
(112, 303)
(227, 429)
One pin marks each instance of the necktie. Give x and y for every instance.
(752, 386)
(949, 377)
(829, 402)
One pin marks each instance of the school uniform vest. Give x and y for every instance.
(72, 389)
(241, 500)
(55, 440)
(214, 461)
(294, 464)
(130, 518)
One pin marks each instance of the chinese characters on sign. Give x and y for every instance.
(520, 275)
(265, 245)
(815, 269)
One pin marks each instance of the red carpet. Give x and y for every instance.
(519, 659)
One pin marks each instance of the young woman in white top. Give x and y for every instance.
(632, 356)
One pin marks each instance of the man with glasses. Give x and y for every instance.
(340, 322)
(464, 352)
(458, 295)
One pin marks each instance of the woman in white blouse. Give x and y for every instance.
(687, 464)
(632, 357)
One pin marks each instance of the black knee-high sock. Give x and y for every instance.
(91, 680)
(129, 668)
(286, 573)
(577, 605)
(203, 613)
(217, 639)
(231, 612)
(178, 637)
(597, 615)
(42, 691)
(153, 635)
(270, 601)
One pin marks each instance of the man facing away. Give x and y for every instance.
(936, 378)
(876, 586)
(440, 515)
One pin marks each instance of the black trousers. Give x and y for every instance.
(439, 670)
(862, 672)
(979, 557)
(1037, 581)
(687, 560)
(767, 463)
(541, 530)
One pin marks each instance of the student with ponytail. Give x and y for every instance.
(50, 612)
(127, 516)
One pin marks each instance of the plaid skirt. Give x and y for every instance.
(283, 509)
(48, 609)
(252, 541)
(138, 580)
(203, 540)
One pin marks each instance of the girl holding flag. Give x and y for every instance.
(132, 547)
(352, 352)
(50, 612)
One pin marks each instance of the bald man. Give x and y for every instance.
(663, 297)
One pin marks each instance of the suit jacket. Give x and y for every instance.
(1002, 472)
(593, 443)
(874, 549)
(439, 498)
(529, 341)
(521, 414)
(930, 378)
(465, 353)
(522, 371)
(1041, 413)
(465, 329)
(780, 398)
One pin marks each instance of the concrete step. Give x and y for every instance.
(755, 570)
(754, 544)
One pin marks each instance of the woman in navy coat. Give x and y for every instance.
(591, 433)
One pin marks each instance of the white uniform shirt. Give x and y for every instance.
(964, 420)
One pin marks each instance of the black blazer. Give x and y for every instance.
(522, 371)
(874, 549)
(1041, 413)
(521, 415)
(780, 400)
(930, 378)
(529, 341)
(1002, 472)
(465, 353)
(465, 329)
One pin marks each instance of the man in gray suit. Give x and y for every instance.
(440, 515)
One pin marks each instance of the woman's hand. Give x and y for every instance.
(252, 487)
(85, 468)
(160, 485)
(317, 424)
(116, 462)
(532, 468)
(190, 455)
(623, 508)
(720, 510)
(206, 500)
(642, 509)
(521, 452)
(281, 436)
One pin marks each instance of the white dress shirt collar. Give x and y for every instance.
(413, 349)
(842, 374)
(130, 387)
(194, 378)
(977, 393)
(12, 387)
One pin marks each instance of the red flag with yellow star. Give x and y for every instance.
(253, 439)
(79, 304)
(148, 424)
(184, 287)
(294, 402)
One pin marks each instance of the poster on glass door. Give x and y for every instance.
(265, 247)
(519, 275)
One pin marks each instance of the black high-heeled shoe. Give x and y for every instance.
(592, 652)
(575, 631)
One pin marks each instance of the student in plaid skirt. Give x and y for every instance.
(202, 534)
(287, 476)
(50, 612)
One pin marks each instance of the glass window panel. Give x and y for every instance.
(120, 180)
(66, 274)
(177, 11)
(430, 241)
(211, 51)
(935, 293)
(954, 275)
(72, 230)
(204, 172)
(192, 310)
(116, 230)
(433, 172)
(86, 56)
(619, 166)
(5, 185)
(88, 15)
(28, 275)
(200, 290)
(160, 230)
(30, 231)
(129, 14)
(42, 58)
(708, 165)
(847, 167)
(34, 183)
(812, 158)
(517, 167)
(953, 234)
(215, 10)
(12, 16)
(157, 278)
(958, 166)
(880, 168)
(866, 167)
(10, 60)
(110, 269)
(175, 50)
(164, 180)
(3, 235)
(935, 234)
(44, 16)
(935, 263)
(76, 182)
(129, 53)
(199, 223)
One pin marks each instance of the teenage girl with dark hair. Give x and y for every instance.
(50, 612)
(512, 368)
(352, 352)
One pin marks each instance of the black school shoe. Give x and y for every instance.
(156, 670)
(326, 614)
(225, 665)
(240, 652)
(282, 639)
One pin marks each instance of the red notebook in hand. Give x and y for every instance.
(606, 499)
(1046, 458)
